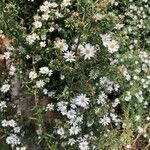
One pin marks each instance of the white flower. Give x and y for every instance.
(12, 123)
(17, 129)
(44, 70)
(3, 105)
(128, 146)
(61, 44)
(69, 56)
(119, 26)
(102, 98)
(62, 107)
(49, 107)
(62, 77)
(53, 5)
(45, 7)
(5, 88)
(21, 148)
(50, 73)
(51, 93)
(32, 75)
(105, 120)
(66, 3)
(60, 131)
(71, 114)
(128, 96)
(12, 70)
(113, 46)
(106, 38)
(87, 51)
(140, 130)
(37, 24)
(5, 123)
(116, 102)
(13, 140)
(84, 145)
(40, 83)
(42, 43)
(45, 16)
(7, 55)
(71, 141)
(115, 118)
(32, 38)
(82, 101)
(74, 130)
(98, 17)
(51, 29)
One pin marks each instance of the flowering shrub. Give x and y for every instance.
(76, 75)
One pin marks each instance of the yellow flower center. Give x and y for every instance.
(112, 46)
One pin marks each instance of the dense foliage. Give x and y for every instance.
(75, 74)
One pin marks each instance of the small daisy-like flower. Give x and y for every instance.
(71, 114)
(69, 56)
(74, 130)
(84, 145)
(87, 51)
(102, 98)
(113, 46)
(49, 107)
(32, 75)
(106, 38)
(105, 120)
(60, 131)
(5, 88)
(61, 44)
(82, 101)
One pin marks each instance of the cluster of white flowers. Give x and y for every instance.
(46, 71)
(32, 38)
(108, 85)
(10, 123)
(13, 140)
(111, 44)
(102, 97)
(97, 102)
